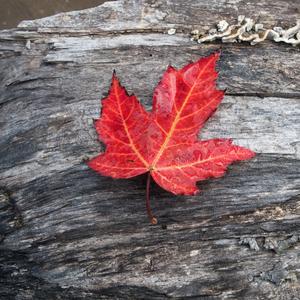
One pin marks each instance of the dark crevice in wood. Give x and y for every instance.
(265, 95)
(10, 215)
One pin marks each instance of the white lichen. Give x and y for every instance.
(258, 27)
(249, 241)
(246, 30)
(222, 25)
(28, 44)
(171, 31)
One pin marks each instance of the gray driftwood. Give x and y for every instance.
(68, 233)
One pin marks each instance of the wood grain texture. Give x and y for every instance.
(68, 233)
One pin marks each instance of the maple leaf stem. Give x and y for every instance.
(153, 220)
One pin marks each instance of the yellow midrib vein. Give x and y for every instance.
(192, 164)
(127, 131)
(177, 119)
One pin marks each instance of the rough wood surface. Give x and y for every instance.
(68, 233)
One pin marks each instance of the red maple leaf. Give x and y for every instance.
(165, 142)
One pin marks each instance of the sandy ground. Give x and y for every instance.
(14, 11)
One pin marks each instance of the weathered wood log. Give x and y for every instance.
(68, 233)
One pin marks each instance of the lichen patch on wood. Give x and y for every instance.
(247, 30)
